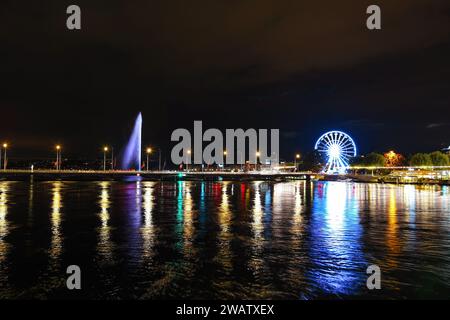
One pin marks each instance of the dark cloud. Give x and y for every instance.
(437, 125)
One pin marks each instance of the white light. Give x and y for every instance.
(334, 151)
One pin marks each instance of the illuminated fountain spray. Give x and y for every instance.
(132, 154)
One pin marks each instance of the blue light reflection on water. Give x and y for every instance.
(336, 239)
(133, 210)
(179, 215)
(202, 205)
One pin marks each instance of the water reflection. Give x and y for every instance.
(148, 227)
(336, 239)
(299, 207)
(55, 219)
(392, 234)
(256, 262)
(30, 202)
(409, 194)
(185, 218)
(224, 255)
(202, 205)
(257, 225)
(180, 215)
(133, 211)
(104, 243)
(4, 190)
(184, 232)
(227, 239)
(299, 200)
(188, 223)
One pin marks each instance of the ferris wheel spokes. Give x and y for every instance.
(338, 148)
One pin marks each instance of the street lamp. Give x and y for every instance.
(241, 160)
(58, 157)
(105, 150)
(257, 156)
(5, 159)
(297, 157)
(187, 159)
(149, 150)
(112, 158)
(225, 159)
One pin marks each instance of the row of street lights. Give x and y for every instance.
(58, 156)
(148, 151)
(105, 151)
(296, 158)
(5, 158)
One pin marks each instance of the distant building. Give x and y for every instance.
(446, 150)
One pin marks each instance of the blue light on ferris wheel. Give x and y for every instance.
(338, 148)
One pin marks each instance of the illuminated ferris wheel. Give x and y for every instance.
(338, 148)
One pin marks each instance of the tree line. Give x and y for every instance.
(390, 159)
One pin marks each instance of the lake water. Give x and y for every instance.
(223, 240)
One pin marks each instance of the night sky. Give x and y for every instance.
(302, 67)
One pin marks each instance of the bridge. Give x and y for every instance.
(415, 175)
(152, 175)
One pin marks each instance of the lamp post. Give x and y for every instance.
(241, 160)
(58, 157)
(225, 158)
(105, 150)
(297, 157)
(256, 164)
(187, 159)
(5, 159)
(149, 151)
(112, 158)
(159, 163)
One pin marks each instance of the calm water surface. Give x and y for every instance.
(227, 240)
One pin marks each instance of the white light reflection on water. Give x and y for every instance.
(224, 255)
(148, 227)
(55, 219)
(105, 246)
(257, 225)
(256, 262)
(188, 217)
(4, 189)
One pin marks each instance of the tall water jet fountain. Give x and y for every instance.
(132, 155)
